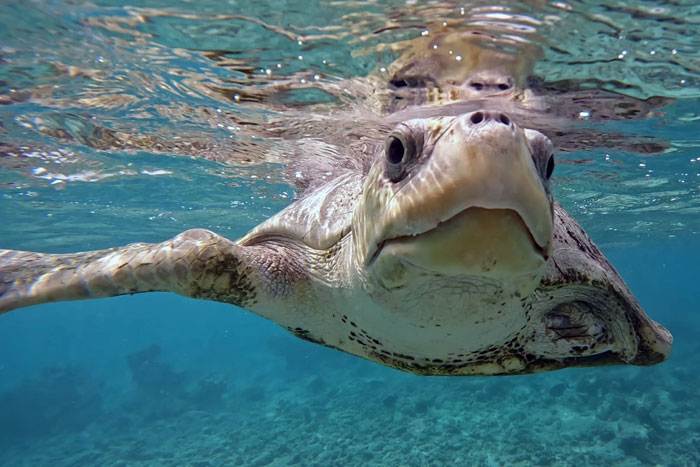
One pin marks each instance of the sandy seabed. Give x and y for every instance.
(339, 410)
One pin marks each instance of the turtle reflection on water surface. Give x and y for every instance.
(455, 71)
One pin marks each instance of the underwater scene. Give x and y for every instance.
(125, 122)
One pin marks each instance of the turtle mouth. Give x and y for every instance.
(474, 235)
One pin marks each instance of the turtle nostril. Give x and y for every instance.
(504, 119)
(476, 118)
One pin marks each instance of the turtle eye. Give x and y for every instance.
(398, 83)
(542, 152)
(550, 166)
(410, 82)
(398, 152)
(395, 150)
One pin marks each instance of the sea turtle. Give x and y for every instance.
(440, 252)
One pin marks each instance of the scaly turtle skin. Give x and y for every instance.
(442, 253)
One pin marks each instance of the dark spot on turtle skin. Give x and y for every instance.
(306, 335)
(531, 363)
(239, 289)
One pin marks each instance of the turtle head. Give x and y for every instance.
(459, 196)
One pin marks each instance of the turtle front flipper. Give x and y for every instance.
(586, 314)
(197, 263)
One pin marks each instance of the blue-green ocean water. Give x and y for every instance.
(162, 380)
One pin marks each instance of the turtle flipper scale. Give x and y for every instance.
(197, 263)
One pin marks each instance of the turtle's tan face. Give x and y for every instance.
(465, 195)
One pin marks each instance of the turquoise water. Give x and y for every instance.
(119, 124)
